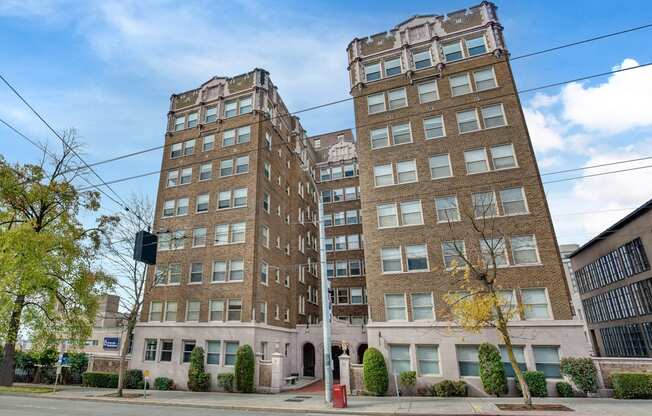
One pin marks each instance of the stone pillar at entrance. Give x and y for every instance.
(277, 372)
(345, 372)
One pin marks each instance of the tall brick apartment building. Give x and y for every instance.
(441, 133)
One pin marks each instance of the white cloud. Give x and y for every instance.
(620, 104)
(543, 100)
(545, 130)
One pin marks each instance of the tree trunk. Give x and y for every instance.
(8, 370)
(525, 390)
(124, 349)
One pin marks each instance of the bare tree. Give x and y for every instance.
(480, 300)
(131, 275)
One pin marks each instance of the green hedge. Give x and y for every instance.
(492, 371)
(198, 379)
(134, 379)
(376, 379)
(99, 379)
(163, 383)
(564, 389)
(450, 388)
(536, 381)
(244, 369)
(632, 385)
(226, 381)
(582, 373)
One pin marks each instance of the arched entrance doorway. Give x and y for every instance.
(336, 351)
(361, 349)
(308, 360)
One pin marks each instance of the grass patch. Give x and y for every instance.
(25, 389)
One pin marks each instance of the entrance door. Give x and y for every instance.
(308, 360)
(361, 349)
(336, 351)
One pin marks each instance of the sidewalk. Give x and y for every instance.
(358, 405)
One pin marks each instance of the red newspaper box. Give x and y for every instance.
(339, 396)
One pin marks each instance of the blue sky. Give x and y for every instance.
(108, 69)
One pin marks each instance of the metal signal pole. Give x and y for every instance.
(325, 306)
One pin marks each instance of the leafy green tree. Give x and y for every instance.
(376, 378)
(48, 288)
(492, 372)
(244, 369)
(198, 379)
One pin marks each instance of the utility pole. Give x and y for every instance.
(325, 305)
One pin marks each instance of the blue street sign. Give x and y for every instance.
(111, 343)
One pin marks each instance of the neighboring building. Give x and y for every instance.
(615, 282)
(236, 218)
(336, 173)
(439, 125)
(565, 250)
(107, 336)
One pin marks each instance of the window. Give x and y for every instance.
(434, 127)
(454, 252)
(379, 138)
(357, 297)
(492, 116)
(503, 156)
(210, 115)
(421, 59)
(196, 272)
(353, 242)
(376, 103)
(192, 120)
(428, 92)
(234, 312)
(535, 303)
(150, 349)
(395, 309)
(428, 359)
(236, 270)
(202, 203)
(337, 172)
(447, 209)
(265, 235)
(186, 176)
(476, 161)
(460, 84)
(391, 259)
(524, 250)
(316, 143)
(213, 352)
(422, 307)
(417, 258)
(166, 350)
(216, 310)
(267, 170)
(467, 121)
(179, 123)
(192, 310)
(411, 213)
(181, 207)
(176, 150)
(400, 358)
(341, 268)
(244, 135)
(156, 311)
(230, 351)
(508, 303)
(484, 204)
(199, 237)
(205, 172)
(467, 360)
(397, 98)
(264, 272)
(392, 67)
(401, 134)
(242, 164)
(352, 217)
(547, 360)
(170, 311)
(406, 171)
(440, 167)
(493, 249)
(173, 178)
(355, 267)
(239, 197)
(520, 360)
(228, 138)
(350, 193)
(453, 51)
(372, 72)
(324, 174)
(238, 232)
(188, 346)
(476, 46)
(485, 79)
(383, 175)
(262, 312)
(266, 202)
(226, 167)
(244, 104)
(513, 201)
(189, 147)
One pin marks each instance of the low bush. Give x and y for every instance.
(376, 378)
(449, 388)
(536, 381)
(408, 380)
(582, 373)
(163, 383)
(564, 389)
(99, 379)
(225, 381)
(492, 371)
(244, 369)
(134, 379)
(632, 385)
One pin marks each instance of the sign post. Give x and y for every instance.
(146, 375)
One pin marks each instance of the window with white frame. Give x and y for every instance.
(243, 135)
(230, 352)
(503, 157)
(379, 138)
(397, 98)
(265, 236)
(493, 249)
(267, 170)
(202, 203)
(391, 259)
(186, 176)
(395, 308)
(485, 79)
(166, 350)
(208, 142)
(151, 345)
(267, 205)
(176, 150)
(411, 213)
(372, 72)
(440, 166)
(264, 272)
(428, 92)
(170, 311)
(206, 171)
(535, 303)
(392, 66)
(213, 352)
(493, 116)
(476, 161)
(416, 256)
(357, 296)
(467, 121)
(383, 175)
(199, 237)
(454, 252)
(427, 359)
(476, 45)
(376, 103)
(513, 201)
(421, 59)
(468, 360)
(507, 300)
(192, 310)
(524, 250)
(262, 312)
(460, 84)
(484, 204)
(434, 127)
(406, 171)
(182, 206)
(453, 51)
(155, 311)
(401, 133)
(196, 272)
(172, 178)
(189, 147)
(520, 359)
(547, 360)
(423, 308)
(447, 209)
(387, 215)
(179, 123)
(211, 114)
(192, 120)
(241, 164)
(234, 310)
(216, 310)
(399, 356)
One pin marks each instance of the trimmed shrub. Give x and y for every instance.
(376, 379)
(134, 379)
(99, 379)
(582, 373)
(564, 389)
(198, 379)
(408, 380)
(449, 388)
(225, 381)
(536, 381)
(632, 385)
(492, 372)
(244, 369)
(163, 383)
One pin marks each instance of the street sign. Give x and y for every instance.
(146, 373)
(111, 343)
